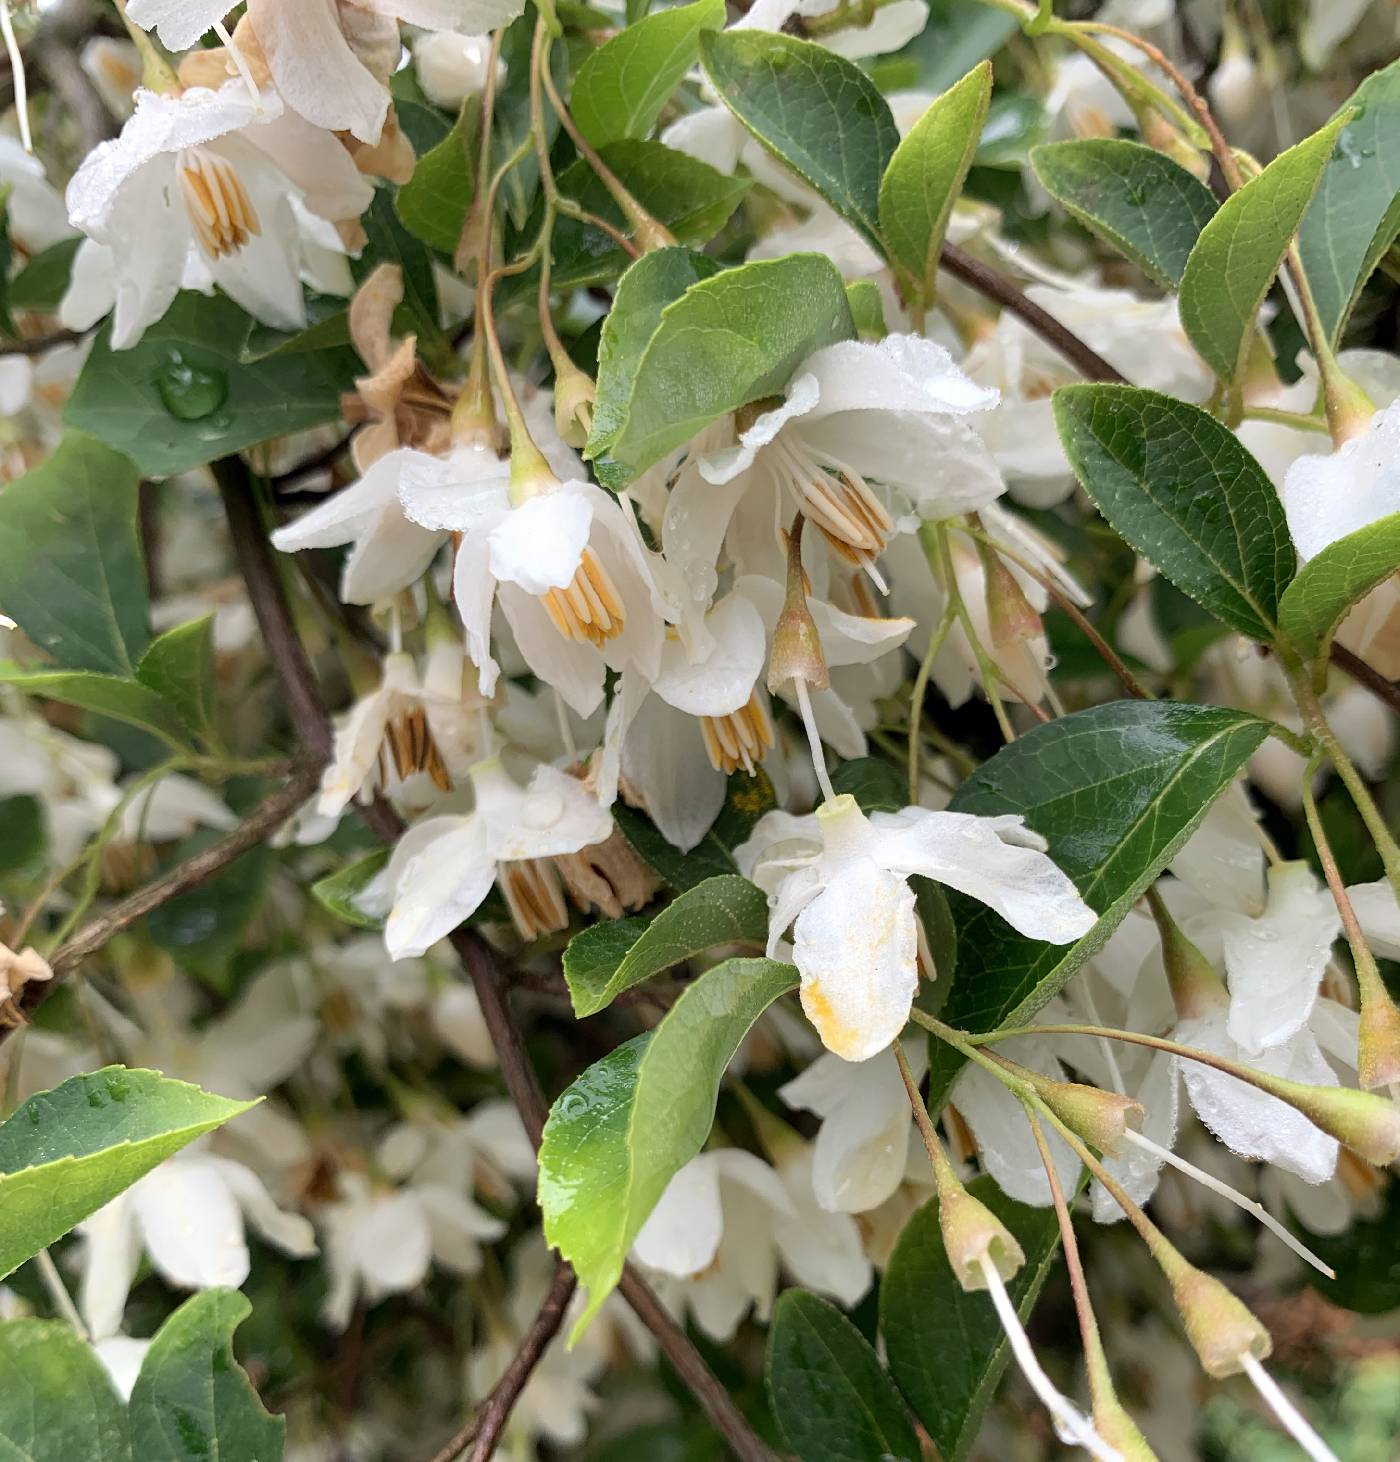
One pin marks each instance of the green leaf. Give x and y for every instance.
(337, 892)
(1115, 791)
(434, 203)
(327, 328)
(1328, 585)
(957, 35)
(1239, 251)
(875, 784)
(746, 799)
(709, 858)
(622, 86)
(66, 1152)
(690, 197)
(608, 958)
(42, 283)
(192, 1402)
(622, 1131)
(183, 396)
(656, 280)
(512, 121)
(1366, 1257)
(424, 124)
(179, 666)
(945, 1348)
(726, 341)
(25, 842)
(58, 1403)
(813, 110)
(204, 928)
(925, 176)
(107, 695)
(1182, 489)
(71, 573)
(867, 309)
(1354, 218)
(830, 1395)
(1134, 197)
(1014, 121)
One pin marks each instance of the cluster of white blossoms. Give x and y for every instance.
(555, 689)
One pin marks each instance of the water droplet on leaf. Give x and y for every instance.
(189, 392)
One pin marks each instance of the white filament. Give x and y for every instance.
(240, 64)
(1293, 1420)
(1071, 1425)
(21, 85)
(1234, 1196)
(814, 740)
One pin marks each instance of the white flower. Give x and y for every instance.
(443, 867)
(34, 210)
(855, 416)
(188, 1215)
(566, 565)
(839, 879)
(714, 1241)
(208, 179)
(1329, 497)
(451, 67)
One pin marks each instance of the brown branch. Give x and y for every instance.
(40, 343)
(260, 824)
(1090, 364)
(484, 1429)
(1385, 691)
(309, 715)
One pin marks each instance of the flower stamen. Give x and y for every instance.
(410, 744)
(589, 609)
(840, 505)
(219, 208)
(739, 739)
(534, 895)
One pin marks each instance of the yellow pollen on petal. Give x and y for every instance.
(836, 1034)
(217, 202)
(588, 610)
(740, 739)
(534, 895)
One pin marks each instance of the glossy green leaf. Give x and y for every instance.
(832, 1399)
(622, 86)
(945, 1348)
(512, 120)
(867, 309)
(42, 283)
(925, 176)
(179, 666)
(435, 201)
(813, 110)
(327, 328)
(728, 340)
(184, 396)
(1239, 251)
(1355, 216)
(622, 1131)
(606, 959)
(1332, 582)
(877, 785)
(1183, 490)
(192, 1402)
(107, 695)
(709, 858)
(337, 892)
(71, 573)
(58, 1403)
(66, 1152)
(1115, 791)
(656, 280)
(1134, 197)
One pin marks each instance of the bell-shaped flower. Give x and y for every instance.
(1327, 498)
(443, 867)
(867, 440)
(725, 1225)
(188, 1217)
(563, 561)
(210, 178)
(839, 880)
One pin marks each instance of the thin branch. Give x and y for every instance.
(40, 343)
(1090, 364)
(484, 1429)
(1385, 691)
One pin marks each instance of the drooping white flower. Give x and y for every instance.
(188, 1216)
(208, 178)
(1327, 497)
(719, 1233)
(443, 867)
(34, 210)
(868, 439)
(839, 880)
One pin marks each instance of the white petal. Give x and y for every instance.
(347, 513)
(289, 1232)
(555, 814)
(1276, 962)
(1223, 860)
(179, 23)
(892, 28)
(576, 671)
(1328, 497)
(986, 858)
(1378, 911)
(802, 397)
(822, 1250)
(901, 373)
(392, 1244)
(191, 1225)
(855, 946)
(710, 134)
(441, 885)
(722, 680)
(683, 1231)
(111, 1253)
(121, 1357)
(664, 758)
(540, 544)
(453, 493)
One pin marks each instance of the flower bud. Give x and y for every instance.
(797, 645)
(1219, 1326)
(451, 67)
(972, 1232)
(1099, 1117)
(573, 402)
(1196, 988)
(1010, 615)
